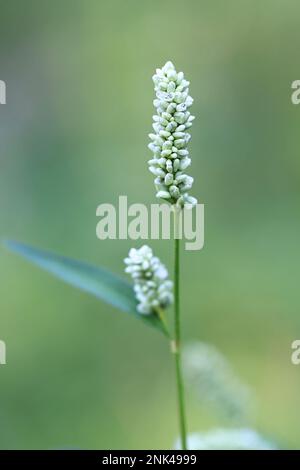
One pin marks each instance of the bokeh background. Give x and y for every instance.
(73, 135)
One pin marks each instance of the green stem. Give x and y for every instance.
(177, 346)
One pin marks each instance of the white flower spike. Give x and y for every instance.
(152, 287)
(170, 138)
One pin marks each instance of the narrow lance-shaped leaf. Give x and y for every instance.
(92, 279)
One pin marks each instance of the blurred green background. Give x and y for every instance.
(73, 135)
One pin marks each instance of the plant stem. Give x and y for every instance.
(177, 346)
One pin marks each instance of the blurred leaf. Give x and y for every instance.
(92, 279)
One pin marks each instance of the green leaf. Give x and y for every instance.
(92, 279)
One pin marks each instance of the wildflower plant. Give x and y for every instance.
(150, 291)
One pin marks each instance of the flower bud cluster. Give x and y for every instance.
(152, 287)
(170, 138)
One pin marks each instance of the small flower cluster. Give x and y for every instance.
(152, 287)
(169, 142)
